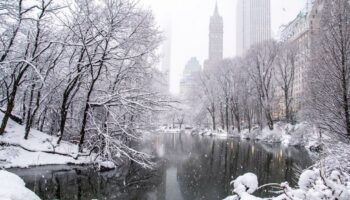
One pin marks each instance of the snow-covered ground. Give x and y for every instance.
(12, 187)
(39, 149)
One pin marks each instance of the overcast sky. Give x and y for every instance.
(189, 21)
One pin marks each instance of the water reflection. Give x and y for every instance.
(190, 167)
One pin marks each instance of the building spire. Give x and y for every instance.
(216, 11)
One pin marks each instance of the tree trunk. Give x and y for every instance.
(269, 119)
(42, 123)
(63, 118)
(10, 104)
(238, 120)
(82, 130)
(249, 123)
(29, 112)
(24, 107)
(213, 117)
(346, 101)
(232, 119)
(222, 118)
(227, 114)
(8, 112)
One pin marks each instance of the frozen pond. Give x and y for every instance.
(190, 168)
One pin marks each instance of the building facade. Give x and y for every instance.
(190, 77)
(216, 40)
(301, 33)
(253, 23)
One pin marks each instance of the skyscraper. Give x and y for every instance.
(216, 34)
(216, 39)
(166, 48)
(253, 23)
(189, 78)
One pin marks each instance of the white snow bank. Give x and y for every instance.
(18, 152)
(170, 130)
(287, 134)
(209, 132)
(313, 185)
(12, 187)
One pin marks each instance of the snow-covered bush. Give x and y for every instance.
(312, 185)
(271, 136)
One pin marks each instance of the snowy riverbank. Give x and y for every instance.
(39, 149)
(328, 178)
(12, 187)
(301, 134)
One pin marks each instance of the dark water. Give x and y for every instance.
(189, 168)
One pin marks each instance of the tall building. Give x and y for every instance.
(189, 77)
(253, 23)
(165, 67)
(296, 33)
(216, 39)
(166, 49)
(216, 36)
(302, 33)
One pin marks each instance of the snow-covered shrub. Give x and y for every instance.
(271, 136)
(301, 134)
(312, 185)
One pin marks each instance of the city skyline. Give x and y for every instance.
(190, 32)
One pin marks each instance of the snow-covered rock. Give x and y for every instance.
(244, 186)
(12, 187)
(106, 166)
(246, 183)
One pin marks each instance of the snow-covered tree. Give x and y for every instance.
(261, 67)
(81, 67)
(285, 76)
(329, 75)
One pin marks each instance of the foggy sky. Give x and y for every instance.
(189, 22)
